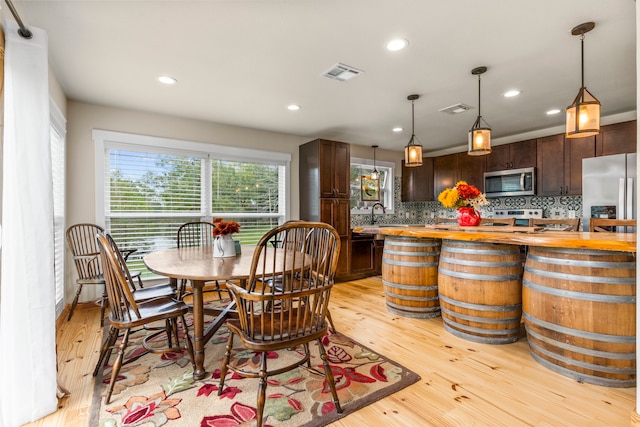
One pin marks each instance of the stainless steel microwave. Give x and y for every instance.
(510, 182)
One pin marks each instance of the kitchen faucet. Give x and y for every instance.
(373, 209)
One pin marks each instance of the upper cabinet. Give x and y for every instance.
(417, 181)
(559, 164)
(512, 156)
(324, 169)
(619, 138)
(334, 169)
(449, 169)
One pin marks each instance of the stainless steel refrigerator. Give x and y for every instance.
(609, 187)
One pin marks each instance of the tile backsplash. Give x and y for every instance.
(426, 212)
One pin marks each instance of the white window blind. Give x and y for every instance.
(150, 191)
(57, 142)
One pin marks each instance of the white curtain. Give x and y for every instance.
(27, 285)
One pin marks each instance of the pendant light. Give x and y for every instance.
(583, 116)
(413, 151)
(479, 135)
(374, 174)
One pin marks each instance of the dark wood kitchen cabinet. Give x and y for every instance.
(417, 181)
(324, 190)
(618, 138)
(559, 164)
(449, 169)
(512, 156)
(366, 256)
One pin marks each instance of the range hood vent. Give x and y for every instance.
(342, 72)
(456, 108)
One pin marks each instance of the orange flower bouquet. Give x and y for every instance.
(462, 195)
(225, 228)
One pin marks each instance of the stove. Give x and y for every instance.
(521, 215)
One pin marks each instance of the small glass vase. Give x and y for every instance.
(468, 217)
(223, 247)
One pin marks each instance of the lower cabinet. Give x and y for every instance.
(365, 256)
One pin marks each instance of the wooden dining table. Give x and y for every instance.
(198, 265)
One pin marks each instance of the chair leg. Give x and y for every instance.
(115, 369)
(105, 350)
(262, 387)
(187, 337)
(75, 302)
(329, 374)
(332, 327)
(225, 362)
(103, 305)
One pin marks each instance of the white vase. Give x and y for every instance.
(224, 247)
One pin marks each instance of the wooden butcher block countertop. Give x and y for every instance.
(529, 236)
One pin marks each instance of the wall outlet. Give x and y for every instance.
(571, 214)
(407, 214)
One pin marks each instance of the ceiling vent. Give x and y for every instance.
(342, 73)
(456, 109)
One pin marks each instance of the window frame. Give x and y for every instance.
(106, 141)
(388, 201)
(58, 123)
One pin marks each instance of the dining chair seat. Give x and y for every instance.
(125, 314)
(285, 309)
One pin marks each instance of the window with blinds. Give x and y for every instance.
(57, 141)
(149, 191)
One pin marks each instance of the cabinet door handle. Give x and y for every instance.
(561, 190)
(506, 166)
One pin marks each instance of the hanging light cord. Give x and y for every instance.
(479, 105)
(582, 57)
(23, 31)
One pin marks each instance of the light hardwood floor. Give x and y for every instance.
(463, 383)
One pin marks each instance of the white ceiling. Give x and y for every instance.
(241, 62)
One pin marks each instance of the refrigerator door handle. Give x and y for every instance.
(629, 205)
(621, 209)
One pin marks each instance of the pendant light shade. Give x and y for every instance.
(583, 115)
(413, 151)
(480, 133)
(374, 173)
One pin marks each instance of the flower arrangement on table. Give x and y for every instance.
(225, 228)
(467, 199)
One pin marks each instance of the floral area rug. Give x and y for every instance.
(159, 390)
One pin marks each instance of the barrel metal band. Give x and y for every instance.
(476, 276)
(409, 263)
(417, 309)
(488, 320)
(581, 278)
(481, 263)
(584, 378)
(617, 299)
(495, 332)
(409, 254)
(583, 251)
(630, 265)
(618, 339)
(410, 287)
(410, 298)
(411, 241)
(590, 366)
(581, 350)
(475, 251)
(481, 307)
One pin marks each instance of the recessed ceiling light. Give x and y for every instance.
(554, 111)
(397, 129)
(167, 80)
(397, 44)
(512, 93)
(293, 107)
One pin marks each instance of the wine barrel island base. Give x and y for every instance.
(578, 294)
(579, 313)
(410, 276)
(480, 291)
